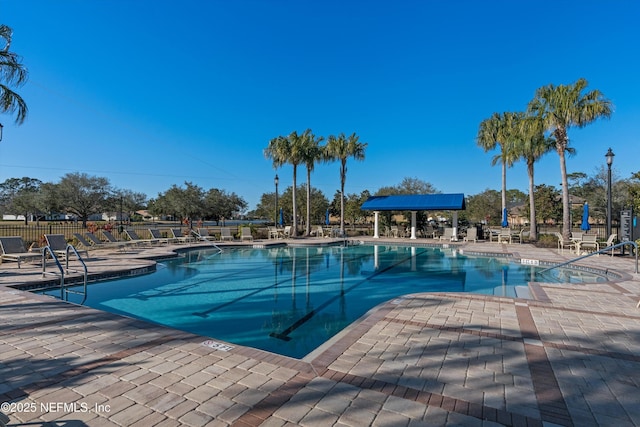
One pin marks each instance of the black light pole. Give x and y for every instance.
(609, 157)
(276, 181)
(1, 131)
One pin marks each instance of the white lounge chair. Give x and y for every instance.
(13, 250)
(245, 234)
(472, 235)
(203, 235)
(447, 234)
(225, 234)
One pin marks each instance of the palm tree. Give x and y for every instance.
(560, 108)
(12, 73)
(311, 153)
(287, 149)
(341, 148)
(531, 144)
(497, 131)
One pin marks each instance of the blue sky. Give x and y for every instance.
(155, 93)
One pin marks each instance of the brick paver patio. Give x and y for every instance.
(569, 356)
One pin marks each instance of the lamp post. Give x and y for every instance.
(276, 181)
(1, 131)
(609, 157)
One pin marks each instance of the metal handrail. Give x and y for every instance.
(44, 267)
(86, 273)
(612, 247)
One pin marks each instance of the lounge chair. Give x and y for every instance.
(157, 235)
(13, 250)
(225, 234)
(136, 240)
(472, 235)
(58, 245)
(245, 234)
(203, 235)
(99, 244)
(179, 237)
(447, 234)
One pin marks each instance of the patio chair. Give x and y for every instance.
(157, 235)
(287, 232)
(519, 235)
(134, 239)
(225, 234)
(179, 237)
(273, 232)
(13, 250)
(202, 234)
(611, 241)
(99, 244)
(246, 234)
(58, 245)
(472, 235)
(562, 243)
(588, 242)
(447, 234)
(318, 232)
(504, 235)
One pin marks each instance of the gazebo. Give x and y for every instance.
(414, 203)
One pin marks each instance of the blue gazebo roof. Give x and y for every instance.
(415, 202)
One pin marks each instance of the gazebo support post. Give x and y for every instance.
(413, 224)
(376, 216)
(455, 226)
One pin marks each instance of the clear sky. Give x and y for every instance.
(155, 93)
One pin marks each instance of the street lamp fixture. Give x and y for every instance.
(276, 181)
(1, 131)
(609, 157)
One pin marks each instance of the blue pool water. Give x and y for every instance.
(291, 300)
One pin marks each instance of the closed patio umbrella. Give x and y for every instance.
(505, 222)
(585, 218)
(281, 220)
(326, 218)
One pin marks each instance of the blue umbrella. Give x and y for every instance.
(326, 218)
(505, 223)
(281, 220)
(585, 218)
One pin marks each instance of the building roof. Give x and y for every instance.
(415, 202)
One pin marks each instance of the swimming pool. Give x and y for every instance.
(290, 300)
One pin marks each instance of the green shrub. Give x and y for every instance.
(547, 241)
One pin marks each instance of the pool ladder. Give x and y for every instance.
(64, 288)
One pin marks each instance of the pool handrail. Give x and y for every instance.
(608, 248)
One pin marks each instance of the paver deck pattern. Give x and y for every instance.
(568, 356)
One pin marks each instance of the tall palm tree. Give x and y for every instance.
(560, 108)
(278, 152)
(311, 153)
(341, 148)
(12, 73)
(287, 149)
(497, 131)
(530, 144)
